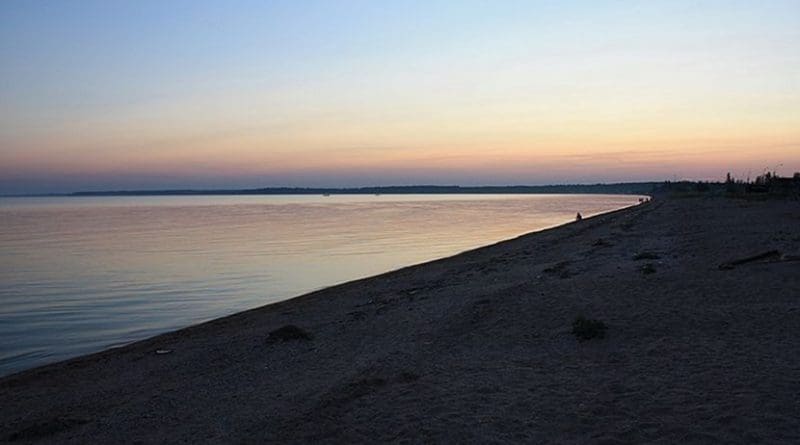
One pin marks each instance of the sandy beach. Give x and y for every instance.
(700, 296)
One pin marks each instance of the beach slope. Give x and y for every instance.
(700, 296)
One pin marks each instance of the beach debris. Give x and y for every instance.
(163, 351)
(646, 256)
(560, 269)
(288, 333)
(768, 255)
(586, 329)
(600, 242)
(647, 269)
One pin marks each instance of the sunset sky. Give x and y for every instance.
(190, 94)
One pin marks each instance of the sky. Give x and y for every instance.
(109, 95)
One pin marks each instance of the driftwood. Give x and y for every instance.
(774, 255)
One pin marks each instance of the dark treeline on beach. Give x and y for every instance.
(619, 188)
(769, 184)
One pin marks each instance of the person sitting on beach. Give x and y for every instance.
(578, 217)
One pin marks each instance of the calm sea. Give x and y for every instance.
(79, 275)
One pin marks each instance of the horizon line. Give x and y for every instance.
(300, 190)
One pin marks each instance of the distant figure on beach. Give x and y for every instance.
(578, 217)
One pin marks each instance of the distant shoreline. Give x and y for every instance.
(629, 188)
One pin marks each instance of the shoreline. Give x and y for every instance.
(321, 289)
(472, 347)
(319, 256)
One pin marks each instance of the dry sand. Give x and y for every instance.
(477, 348)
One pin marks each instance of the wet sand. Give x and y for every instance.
(478, 348)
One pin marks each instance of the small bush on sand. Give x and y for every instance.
(288, 333)
(587, 329)
(648, 269)
(646, 256)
